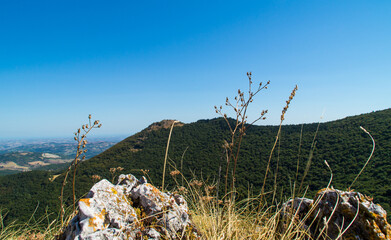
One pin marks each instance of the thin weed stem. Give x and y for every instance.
(369, 158)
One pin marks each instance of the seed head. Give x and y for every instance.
(96, 177)
(174, 173)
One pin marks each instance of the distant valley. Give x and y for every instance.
(21, 156)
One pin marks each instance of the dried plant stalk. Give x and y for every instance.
(240, 107)
(81, 140)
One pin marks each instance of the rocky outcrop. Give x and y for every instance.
(165, 124)
(132, 209)
(335, 214)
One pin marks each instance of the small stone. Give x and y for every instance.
(143, 180)
(152, 234)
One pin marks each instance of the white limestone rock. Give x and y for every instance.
(132, 209)
(171, 210)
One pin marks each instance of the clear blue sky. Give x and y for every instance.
(131, 63)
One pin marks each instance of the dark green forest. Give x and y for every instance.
(199, 147)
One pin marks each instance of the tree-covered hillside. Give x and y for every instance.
(196, 148)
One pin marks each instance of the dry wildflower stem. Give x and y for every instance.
(293, 93)
(81, 140)
(113, 171)
(238, 130)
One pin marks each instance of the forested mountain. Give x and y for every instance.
(196, 149)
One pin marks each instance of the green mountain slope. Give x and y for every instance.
(197, 148)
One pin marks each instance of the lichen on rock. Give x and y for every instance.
(132, 209)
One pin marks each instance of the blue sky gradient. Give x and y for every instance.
(131, 63)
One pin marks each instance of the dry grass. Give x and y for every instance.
(232, 222)
(213, 219)
(218, 219)
(31, 230)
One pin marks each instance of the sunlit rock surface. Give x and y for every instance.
(335, 214)
(132, 209)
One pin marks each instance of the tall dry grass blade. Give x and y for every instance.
(298, 154)
(183, 155)
(165, 157)
(311, 154)
(276, 171)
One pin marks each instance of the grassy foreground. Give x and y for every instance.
(213, 219)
